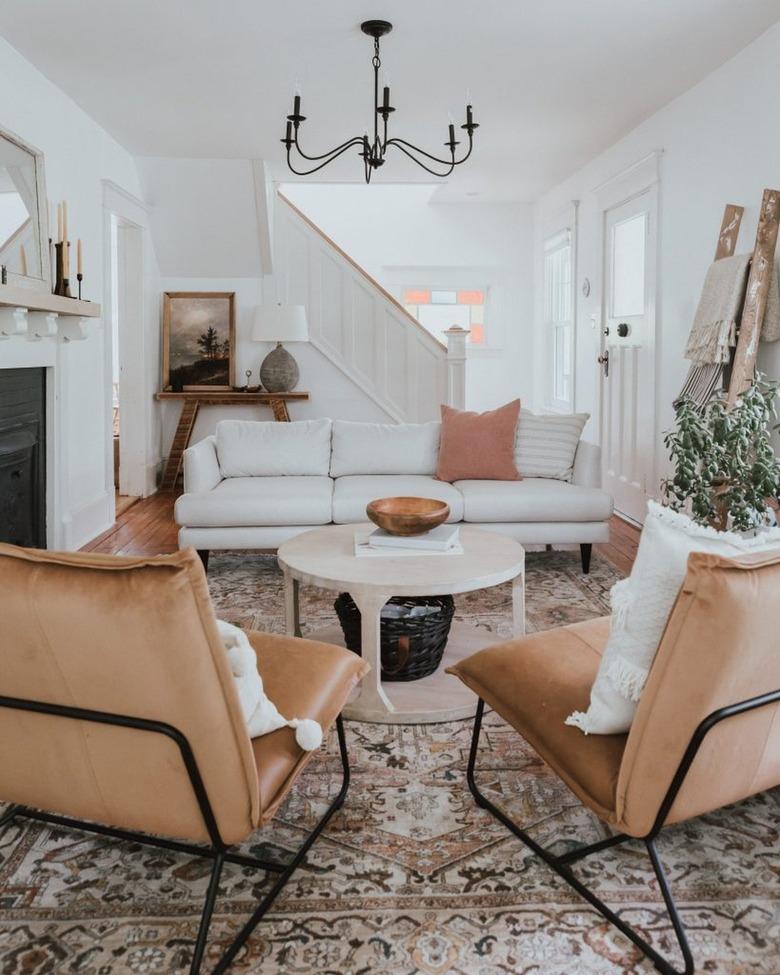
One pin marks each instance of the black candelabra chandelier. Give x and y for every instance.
(373, 150)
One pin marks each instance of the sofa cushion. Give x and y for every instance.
(478, 444)
(240, 501)
(532, 499)
(545, 444)
(252, 448)
(384, 448)
(352, 494)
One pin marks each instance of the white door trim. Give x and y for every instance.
(629, 182)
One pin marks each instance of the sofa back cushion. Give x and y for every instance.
(384, 448)
(248, 448)
(545, 444)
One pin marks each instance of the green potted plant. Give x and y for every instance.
(725, 469)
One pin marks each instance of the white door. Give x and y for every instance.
(627, 357)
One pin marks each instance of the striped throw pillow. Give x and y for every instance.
(545, 444)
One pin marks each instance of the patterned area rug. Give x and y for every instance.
(410, 877)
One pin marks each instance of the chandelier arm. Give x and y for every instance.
(357, 140)
(308, 172)
(397, 144)
(400, 143)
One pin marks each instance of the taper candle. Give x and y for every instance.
(59, 223)
(23, 259)
(65, 220)
(79, 257)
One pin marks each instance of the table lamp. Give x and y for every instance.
(280, 323)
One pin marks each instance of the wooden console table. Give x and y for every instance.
(193, 400)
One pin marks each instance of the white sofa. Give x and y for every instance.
(255, 484)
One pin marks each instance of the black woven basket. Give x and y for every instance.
(411, 647)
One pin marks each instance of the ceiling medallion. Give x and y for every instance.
(373, 150)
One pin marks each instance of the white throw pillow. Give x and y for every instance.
(641, 606)
(545, 443)
(253, 448)
(260, 713)
(384, 448)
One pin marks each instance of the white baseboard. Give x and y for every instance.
(87, 522)
(152, 478)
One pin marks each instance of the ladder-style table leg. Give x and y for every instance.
(279, 406)
(181, 440)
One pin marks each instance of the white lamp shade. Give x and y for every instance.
(280, 323)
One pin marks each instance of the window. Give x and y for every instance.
(439, 309)
(559, 319)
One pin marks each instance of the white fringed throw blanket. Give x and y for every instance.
(715, 325)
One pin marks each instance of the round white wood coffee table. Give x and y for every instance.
(326, 557)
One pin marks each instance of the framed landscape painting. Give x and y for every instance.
(199, 337)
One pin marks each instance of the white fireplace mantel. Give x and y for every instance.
(36, 331)
(12, 296)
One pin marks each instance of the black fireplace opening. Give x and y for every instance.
(23, 457)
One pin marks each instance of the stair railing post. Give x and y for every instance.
(456, 366)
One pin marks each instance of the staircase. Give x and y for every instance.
(361, 328)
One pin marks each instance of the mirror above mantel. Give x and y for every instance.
(24, 231)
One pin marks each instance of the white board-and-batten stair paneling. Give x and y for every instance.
(362, 329)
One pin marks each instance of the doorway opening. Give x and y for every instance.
(126, 294)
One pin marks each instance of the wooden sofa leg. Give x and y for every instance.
(585, 554)
(203, 554)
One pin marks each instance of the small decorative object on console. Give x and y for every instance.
(407, 516)
(280, 323)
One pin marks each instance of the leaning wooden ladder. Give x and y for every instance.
(703, 380)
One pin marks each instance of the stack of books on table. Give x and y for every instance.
(442, 540)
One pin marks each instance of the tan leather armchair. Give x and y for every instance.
(706, 732)
(118, 712)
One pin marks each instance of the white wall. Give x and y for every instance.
(400, 237)
(721, 144)
(79, 154)
(332, 394)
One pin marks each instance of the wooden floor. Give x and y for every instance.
(147, 528)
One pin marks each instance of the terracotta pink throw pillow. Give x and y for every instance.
(478, 446)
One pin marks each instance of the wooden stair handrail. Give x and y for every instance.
(372, 281)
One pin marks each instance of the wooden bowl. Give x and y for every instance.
(407, 516)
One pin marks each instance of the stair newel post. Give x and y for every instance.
(456, 366)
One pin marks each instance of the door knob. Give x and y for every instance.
(603, 360)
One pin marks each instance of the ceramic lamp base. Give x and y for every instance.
(279, 371)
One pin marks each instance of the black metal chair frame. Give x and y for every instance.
(561, 864)
(217, 851)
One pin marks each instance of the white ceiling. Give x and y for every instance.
(553, 82)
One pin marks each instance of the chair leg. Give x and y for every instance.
(671, 907)
(218, 853)
(585, 553)
(560, 865)
(245, 933)
(208, 910)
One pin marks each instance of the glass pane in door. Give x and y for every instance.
(628, 266)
